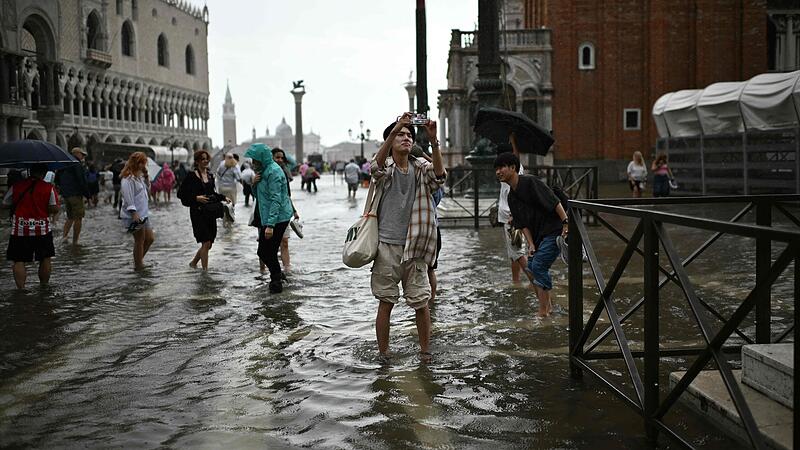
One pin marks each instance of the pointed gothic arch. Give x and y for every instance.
(163, 50)
(94, 31)
(128, 39)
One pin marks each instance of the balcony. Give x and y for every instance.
(98, 58)
(515, 39)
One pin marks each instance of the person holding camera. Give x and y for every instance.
(135, 212)
(406, 226)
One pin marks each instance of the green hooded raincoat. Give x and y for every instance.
(274, 205)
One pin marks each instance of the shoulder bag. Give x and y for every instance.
(361, 242)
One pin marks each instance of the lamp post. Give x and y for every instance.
(360, 136)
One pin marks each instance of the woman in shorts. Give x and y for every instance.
(135, 212)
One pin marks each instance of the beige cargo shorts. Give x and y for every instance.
(388, 271)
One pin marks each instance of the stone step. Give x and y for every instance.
(708, 396)
(769, 369)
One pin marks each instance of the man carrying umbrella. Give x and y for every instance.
(74, 188)
(32, 201)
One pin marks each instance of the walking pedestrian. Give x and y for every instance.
(535, 210)
(661, 175)
(637, 174)
(280, 158)
(247, 183)
(352, 176)
(274, 209)
(515, 249)
(116, 182)
(33, 201)
(93, 180)
(228, 177)
(74, 189)
(303, 169)
(197, 192)
(163, 183)
(406, 228)
(135, 209)
(312, 174)
(107, 185)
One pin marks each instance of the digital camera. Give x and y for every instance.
(419, 119)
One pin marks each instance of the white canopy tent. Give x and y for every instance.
(680, 113)
(718, 108)
(768, 101)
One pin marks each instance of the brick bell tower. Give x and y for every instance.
(228, 120)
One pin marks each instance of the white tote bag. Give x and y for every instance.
(361, 243)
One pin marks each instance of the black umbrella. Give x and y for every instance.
(22, 154)
(497, 125)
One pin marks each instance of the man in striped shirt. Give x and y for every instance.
(33, 201)
(406, 228)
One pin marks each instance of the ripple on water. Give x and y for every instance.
(180, 358)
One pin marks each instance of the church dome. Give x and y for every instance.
(283, 129)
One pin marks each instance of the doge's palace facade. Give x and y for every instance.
(80, 72)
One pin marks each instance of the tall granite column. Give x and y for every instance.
(298, 91)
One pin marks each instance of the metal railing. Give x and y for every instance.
(650, 229)
(578, 182)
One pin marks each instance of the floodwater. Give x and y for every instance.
(174, 357)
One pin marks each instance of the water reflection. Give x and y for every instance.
(175, 357)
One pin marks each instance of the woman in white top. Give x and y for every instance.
(135, 212)
(637, 174)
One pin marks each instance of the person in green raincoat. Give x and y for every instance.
(274, 210)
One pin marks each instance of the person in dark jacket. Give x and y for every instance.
(196, 191)
(535, 210)
(74, 188)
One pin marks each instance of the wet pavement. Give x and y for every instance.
(174, 357)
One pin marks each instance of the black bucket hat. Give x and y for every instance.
(409, 127)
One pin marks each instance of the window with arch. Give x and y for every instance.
(189, 60)
(586, 56)
(127, 39)
(119, 7)
(93, 31)
(163, 51)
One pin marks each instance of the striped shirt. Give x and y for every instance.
(421, 237)
(31, 199)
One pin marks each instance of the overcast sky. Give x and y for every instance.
(354, 55)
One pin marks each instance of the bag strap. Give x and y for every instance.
(373, 198)
(19, 200)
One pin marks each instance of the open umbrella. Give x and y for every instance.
(22, 154)
(153, 169)
(497, 125)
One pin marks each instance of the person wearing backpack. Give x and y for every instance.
(32, 201)
(537, 211)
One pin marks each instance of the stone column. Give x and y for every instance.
(298, 93)
(488, 86)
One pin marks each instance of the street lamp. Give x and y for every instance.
(360, 136)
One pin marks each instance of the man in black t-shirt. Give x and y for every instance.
(538, 213)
